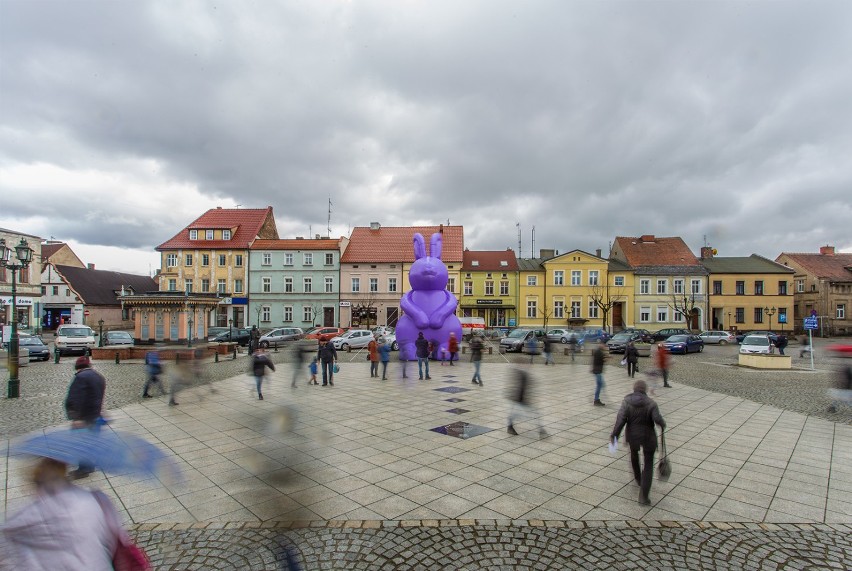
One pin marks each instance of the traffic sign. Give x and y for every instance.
(811, 323)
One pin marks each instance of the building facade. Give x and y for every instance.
(27, 285)
(489, 286)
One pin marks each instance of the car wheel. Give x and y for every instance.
(563, 341)
(344, 347)
(394, 346)
(701, 348)
(264, 344)
(723, 342)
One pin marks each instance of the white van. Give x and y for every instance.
(74, 339)
(471, 324)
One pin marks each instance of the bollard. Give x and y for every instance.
(276, 346)
(216, 357)
(117, 360)
(56, 354)
(235, 353)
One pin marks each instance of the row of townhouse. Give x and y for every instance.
(229, 267)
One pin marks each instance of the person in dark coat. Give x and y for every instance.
(384, 356)
(640, 413)
(254, 339)
(631, 353)
(598, 358)
(259, 363)
(781, 343)
(520, 395)
(476, 357)
(154, 369)
(421, 346)
(548, 351)
(83, 404)
(327, 356)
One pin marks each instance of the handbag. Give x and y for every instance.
(335, 368)
(127, 556)
(664, 469)
(624, 361)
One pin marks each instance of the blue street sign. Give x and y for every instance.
(782, 318)
(811, 323)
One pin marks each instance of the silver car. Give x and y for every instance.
(281, 335)
(561, 335)
(718, 337)
(352, 339)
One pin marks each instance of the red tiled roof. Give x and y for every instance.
(655, 251)
(294, 244)
(836, 267)
(490, 260)
(396, 243)
(246, 223)
(47, 250)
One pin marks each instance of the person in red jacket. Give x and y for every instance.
(453, 346)
(663, 362)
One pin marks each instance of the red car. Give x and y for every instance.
(844, 350)
(327, 332)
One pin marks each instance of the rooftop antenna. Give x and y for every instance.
(532, 246)
(328, 228)
(520, 250)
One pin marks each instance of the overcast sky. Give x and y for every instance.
(122, 121)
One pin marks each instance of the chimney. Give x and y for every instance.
(441, 229)
(547, 254)
(707, 252)
(646, 238)
(92, 266)
(826, 250)
(375, 226)
(598, 252)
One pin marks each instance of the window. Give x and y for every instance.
(356, 284)
(532, 280)
(67, 292)
(644, 314)
(329, 259)
(800, 286)
(308, 314)
(593, 277)
(266, 260)
(308, 259)
(662, 314)
(288, 285)
(740, 288)
(307, 285)
(209, 234)
(531, 307)
(575, 309)
(193, 234)
(618, 281)
(782, 288)
(392, 285)
(677, 286)
(758, 287)
(559, 278)
(504, 288)
(288, 313)
(558, 309)
(644, 286)
(696, 286)
(266, 285)
(677, 317)
(188, 260)
(172, 285)
(238, 286)
(288, 259)
(374, 284)
(329, 285)
(451, 284)
(238, 260)
(758, 315)
(840, 311)
(468, 288)
(662, 286)
(265, 314)
(489, 288)
(205, 285)
(171, 260)
(223, 260)
(55, 290)
(221, 286)
(576, 277)
(205, 259)
(739, 315)
(187, 286)
(717, 287)
(593, 309)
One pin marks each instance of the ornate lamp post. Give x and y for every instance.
(24, 255)
(770, 312)
(100, 332)
(189, 322)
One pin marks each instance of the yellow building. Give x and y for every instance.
(573, 289)
(489, 286)
(531, 292)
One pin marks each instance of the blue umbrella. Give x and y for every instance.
(109, 450)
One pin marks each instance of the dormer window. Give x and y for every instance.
(504, 264)
(209, 234)
(226, 234)
(474, 263)
(193, 234)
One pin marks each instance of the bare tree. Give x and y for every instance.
(366, 308)
(686, 304)
(605, 296)
(315, 309)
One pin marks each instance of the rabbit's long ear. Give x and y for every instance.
(419, 246)
(436, 246)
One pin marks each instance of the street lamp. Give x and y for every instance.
(190, 320)
(100, 332)
(770, 312)
(24, 255)
(230, 333)
(729, 322)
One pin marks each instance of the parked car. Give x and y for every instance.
(382, 329)
(390, 337)
(684, 344)
(74, 339)
(352, 339)
(718, 337)
(517, 338)
(664, 334)
(619, 341)
(756, 344)
(117, 338)
(743, 334)
(562, 335)
(327, 332)
(38, 350)
(213, 332)
(240, 335)
(281, 335)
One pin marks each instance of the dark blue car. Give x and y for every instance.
(684, 344)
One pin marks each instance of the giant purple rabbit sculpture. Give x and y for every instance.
(428, 307)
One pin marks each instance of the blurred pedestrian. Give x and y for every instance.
(298, 359)
(254, 339)
(313, 369)
(781, 343)
(521, 407)
(179, 378)
(153, 370)
(384, 356)
(547, 350)
(640, 413)
(453, 347)
(574, 343)
(373, 355)
(532, 347)
(83, 404)
(327, 356)
(598, 358)
(631, 353)
(663, 363)
(422, 351)
(64, 527)
(476, 346)
(259, 363)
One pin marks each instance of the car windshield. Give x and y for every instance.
(76, 332)
(677, 339)
(622, 337)
(29, 341)
(119, 335)
(518, 333)
(764, 341)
